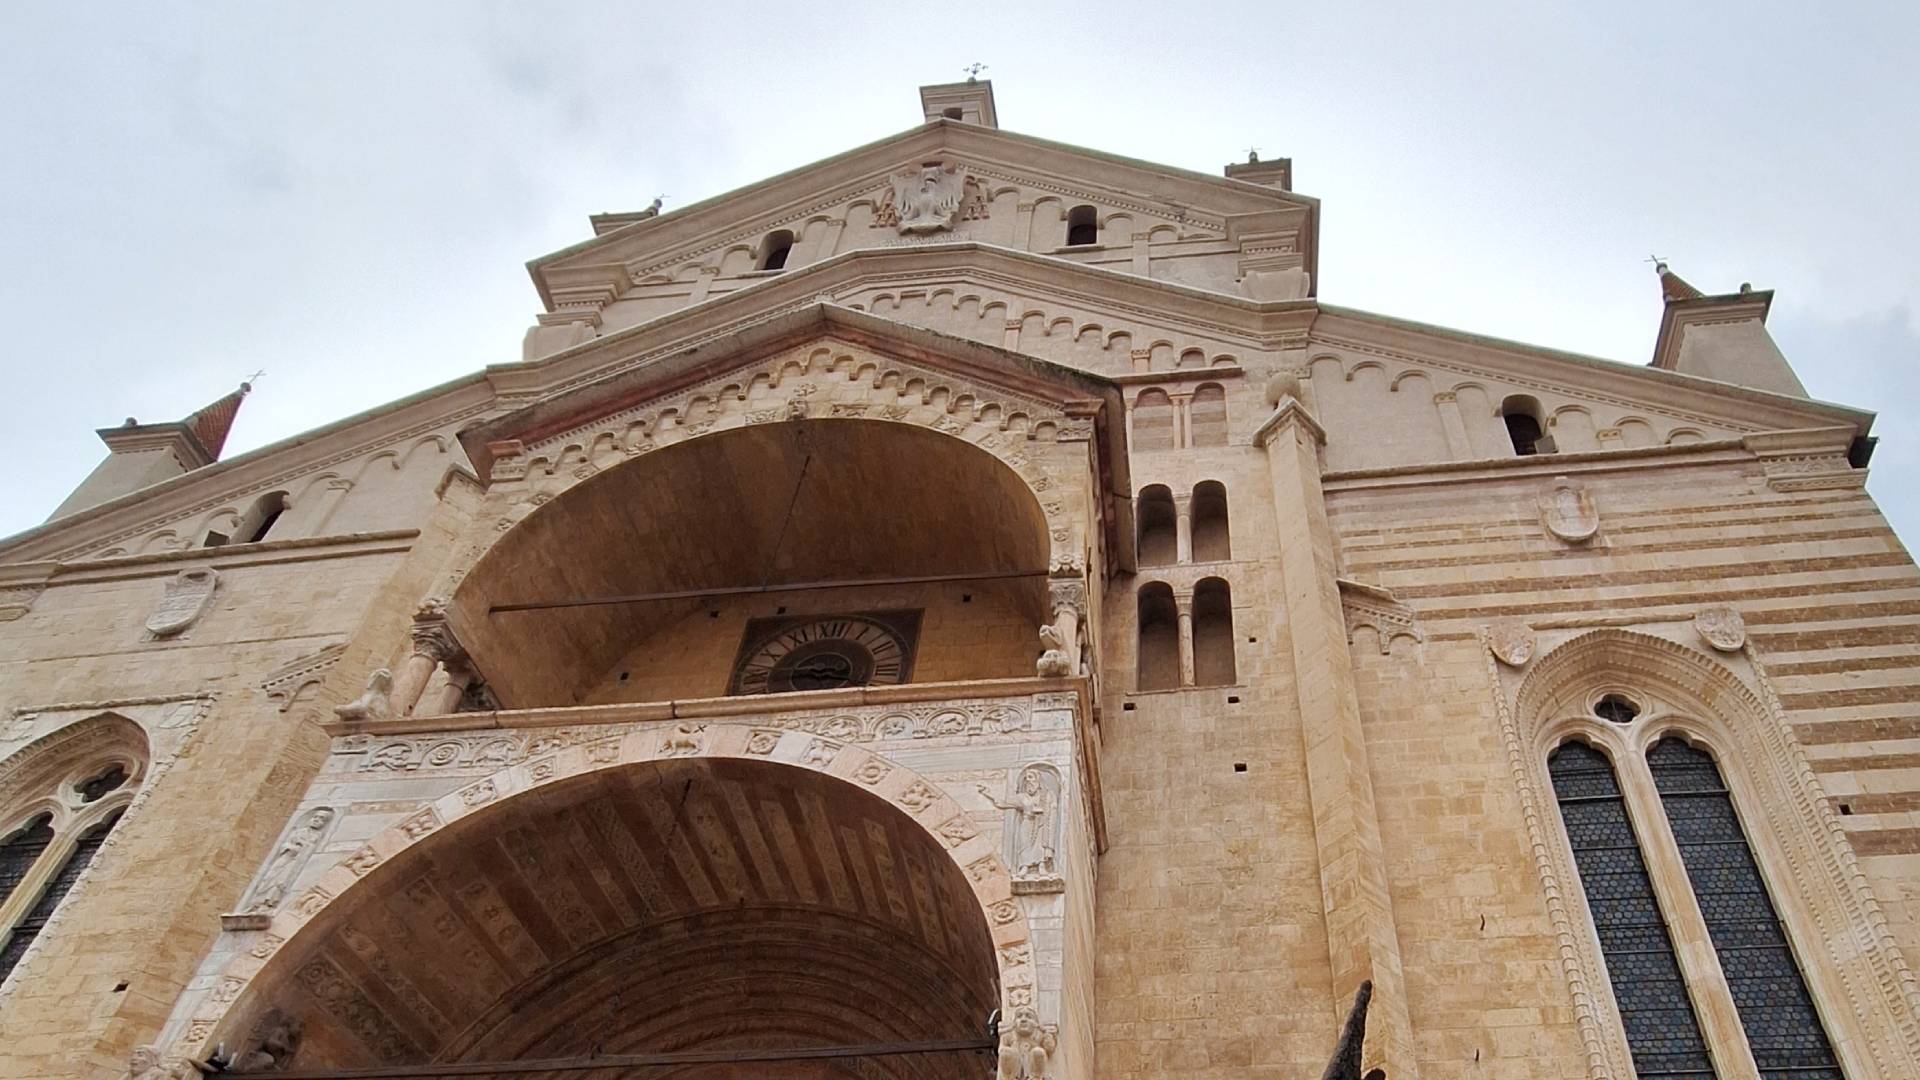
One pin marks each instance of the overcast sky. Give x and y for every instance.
(345, 194)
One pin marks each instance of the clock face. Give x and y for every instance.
(826, 652)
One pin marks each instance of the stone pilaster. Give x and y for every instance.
(1361, 941)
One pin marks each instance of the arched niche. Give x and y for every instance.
(730, 889)
(1157, 661)
(1159, 526)
(738, 524)
(1850, 954)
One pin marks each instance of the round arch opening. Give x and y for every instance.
(674, 905)
(781, 520)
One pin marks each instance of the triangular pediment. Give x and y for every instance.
(1013, 191)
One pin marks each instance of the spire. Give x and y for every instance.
(211, 424)
(1672, 286)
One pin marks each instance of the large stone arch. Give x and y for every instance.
(235, 1004)
(1039, 440)
(1821, 891)
(916, 464)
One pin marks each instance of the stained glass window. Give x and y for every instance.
(35, 920)
(1663, 1033)
(1782, 1026)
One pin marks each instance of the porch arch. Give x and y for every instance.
(911, 959)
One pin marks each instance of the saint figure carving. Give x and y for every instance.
(927, 200)
(1035, 808)
(285, 865)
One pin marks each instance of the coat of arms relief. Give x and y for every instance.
(929, 199)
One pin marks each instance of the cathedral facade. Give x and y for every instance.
(966, 608)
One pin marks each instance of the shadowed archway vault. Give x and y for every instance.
(700, 904)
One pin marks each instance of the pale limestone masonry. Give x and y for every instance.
(1153, 654)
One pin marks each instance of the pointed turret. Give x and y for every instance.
(142, 454)
(1721, 337)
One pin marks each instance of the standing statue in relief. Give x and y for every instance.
(1035, 809)
(285, 865)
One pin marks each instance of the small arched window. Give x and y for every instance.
(1159, 528)
(1213, 633)
(1209, 415)
(1083, 227)
(1153, 420)
(1522, 416)
(260, 519)
(952, 112)
(1158, 663)
(773, 252)
(1211, 542)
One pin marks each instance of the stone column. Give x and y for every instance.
(1068, 597)
(433, 645)
(1182, 421)
(1459, 447)
(1183, 601)
(1361, 940)
(1183, 529)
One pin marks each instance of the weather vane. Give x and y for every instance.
(973, 71)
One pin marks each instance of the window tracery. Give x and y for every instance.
(62, 798)
(1678, 900)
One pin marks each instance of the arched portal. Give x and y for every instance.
(716, 539)
(679, 904)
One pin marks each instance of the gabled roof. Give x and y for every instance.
(1232, 204)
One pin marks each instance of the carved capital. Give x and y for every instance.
(432, 636)
(1064, 593)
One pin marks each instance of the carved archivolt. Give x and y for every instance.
(945, 820)
(819, 381)
(1852, 960)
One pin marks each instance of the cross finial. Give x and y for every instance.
(251, 379)
(973, 71)
(1659, 263)
(1253, 155)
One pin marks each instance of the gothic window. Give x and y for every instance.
(1663, 1032)
(1159, 657)
(1212, 633)
(1153, 420)
(1209, 413)
(1522, 416)
(1083, 227)
(773, 254)
(63, 795)
(1210, 540)
(1769, 993)
(35, 920)
(1159, 531)
(20, 851)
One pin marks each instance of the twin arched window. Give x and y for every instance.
(1632, 818)
(1185, 640)
(61, 798)
(42, 857)
(1171, 533)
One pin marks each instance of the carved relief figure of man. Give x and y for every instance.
(1026, 1048)
(278, 877)
(1035, 809)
